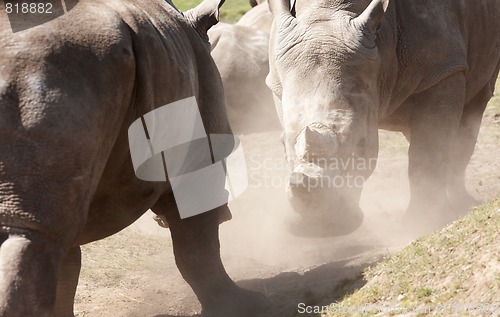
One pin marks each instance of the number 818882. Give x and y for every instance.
(28, 8)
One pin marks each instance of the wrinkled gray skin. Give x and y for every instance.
(241, 53)
(342, 69)
(69, 90)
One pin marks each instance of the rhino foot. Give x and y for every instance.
(423, 219)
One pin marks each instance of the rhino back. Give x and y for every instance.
(172, 63)
(69, 90)
(259, 17)
(58, 113)
(438, 38)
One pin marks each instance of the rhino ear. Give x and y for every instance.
(205, 15)
(369, 21)
(279, 7)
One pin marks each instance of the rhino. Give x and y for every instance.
(241, 53)
(342, 69)
(259, 17)
(69, 90)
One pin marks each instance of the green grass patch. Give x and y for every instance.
(458, 264)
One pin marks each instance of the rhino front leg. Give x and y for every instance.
(67, 283)
(28, 275)
(463, 147)
(433, 126)
(197, 254)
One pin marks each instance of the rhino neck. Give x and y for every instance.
(355, 6)
(322, 9)
(387, 44)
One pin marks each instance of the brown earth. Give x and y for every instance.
(133, 273)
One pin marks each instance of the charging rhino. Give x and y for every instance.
(342, 69)
(69, 90)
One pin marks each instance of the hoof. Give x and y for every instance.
(421, 221)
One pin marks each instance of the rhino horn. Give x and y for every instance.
(369, 21)
(204, 16)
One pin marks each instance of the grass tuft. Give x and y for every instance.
(459, 264)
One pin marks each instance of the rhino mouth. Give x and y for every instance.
(323, 213)
(331, 225)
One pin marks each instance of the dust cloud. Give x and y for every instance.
(257, 233)
(256, 238)
(260, 254)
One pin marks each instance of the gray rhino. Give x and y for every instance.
(240, 52)
(258, 17)
(342, 69)
(69, 90)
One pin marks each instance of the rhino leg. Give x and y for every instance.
(434, 124)
(28, 275)
(197, 255)
(463, 147)
(67, 283)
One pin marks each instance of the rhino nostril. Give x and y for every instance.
(3, 237)
(297, 179)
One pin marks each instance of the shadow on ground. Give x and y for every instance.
(320, 285)
(177, 315)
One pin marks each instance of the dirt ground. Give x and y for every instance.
(133, 273)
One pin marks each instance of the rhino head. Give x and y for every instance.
(325, 68)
